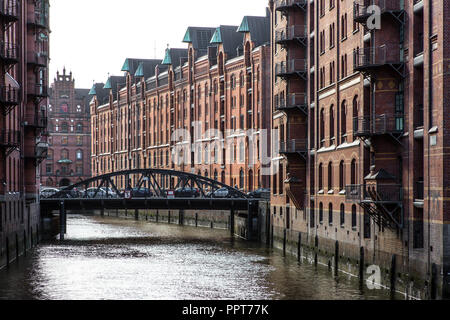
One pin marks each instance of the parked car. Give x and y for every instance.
(109, 192)
(187, 192)
(224, 193)
(70, 194)
(48, 192)
(261, 193)
(96, 193)
(141, 193)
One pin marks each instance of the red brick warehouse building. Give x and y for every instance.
(216, 90)
(363, 161)
(24, 53)
(69, 128)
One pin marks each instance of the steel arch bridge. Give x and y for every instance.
(151, 189)
(149, 182)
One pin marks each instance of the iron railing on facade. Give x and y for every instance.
(291, 66)
(9, 8)
(292, 32)
(287, 3)
(375, 193)
(9, 51)
(38, 120)
(381, 124)
(293, 100)
(361, 8)
(9, 95)
(40, 18)
(9, 138)
(39, 90)
(293, 146)
(378, 56)
(39, 58)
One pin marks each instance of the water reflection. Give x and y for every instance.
(105, 258)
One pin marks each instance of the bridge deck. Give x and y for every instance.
(148, 203)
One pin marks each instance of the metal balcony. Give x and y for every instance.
(38, 121)
(295, 68)
(38, 154)
(38, 20)
(38, 59)
(288, 5)
(9, 140)
(294, 147)
(383, 202)
(9, 96)
(370, 60)
(9, 53)
(362, 10)
(294, 102)
(39, 91)
(9, 11)
(292, 34)
(385, 124)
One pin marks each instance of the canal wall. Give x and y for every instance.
(364, 264)
(19, 230)
(214, 219)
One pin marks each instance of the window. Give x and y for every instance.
(367, 233)
(79, 170)
(321, 213)
(50, 155)
(343, 122)
(330, 214)
(320, 177)
(241, 179)
(79, 140)
(64, 154)
(64, 141)
(64, 127)
(79, 127)
(332, 133)
(354, 217)
(330, 176)
(79, 155)
(341, 175)
(48, 169)
(342, 215)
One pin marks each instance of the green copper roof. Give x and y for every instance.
(217, 37)
(140, 70)
(126, 66)
(187, 36)
(244, 26)
(93, 92)
(108, 84)
(167, 59)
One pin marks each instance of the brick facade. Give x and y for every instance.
(191, 111)
(24, 50)
(370, 121)
(69, 128)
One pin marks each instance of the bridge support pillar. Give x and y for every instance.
(336, 258)
(284, 241)
(299, 249)
(62, 220)
(250, 221)
(157, 215)
(181, 217)
(102, 212)
(232, 222)
(196, 219)
(136, 214)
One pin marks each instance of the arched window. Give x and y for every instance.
(64, 127)
(330, 176)
(321, 213)
(50, 154)
(344, 121)
(353, 177)
(216, 175)
(330, 214)
(355, 116)
(79, 127)
(320, 177)
(322, 127)
(341, 176)
(242, 152)
(332, 133)
(241, 179)
(79, 155)
(354, 217)
(342, 215)
(250, 180)
(233, 81)
(64, 154)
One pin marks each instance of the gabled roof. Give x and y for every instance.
(175, 57)
(102, 94)
(229, 38)
(258, 27)
(113, 83)
(199, 37)
(131, 65)
(146, 68)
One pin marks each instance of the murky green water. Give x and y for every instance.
(106, 258)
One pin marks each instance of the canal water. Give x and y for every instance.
(109, 258)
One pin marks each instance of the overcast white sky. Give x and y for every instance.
(93, 37)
